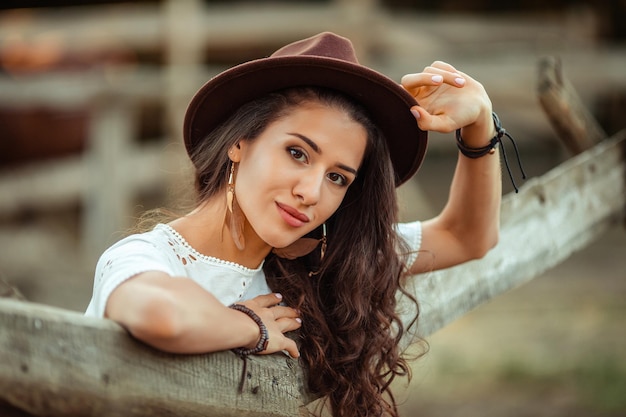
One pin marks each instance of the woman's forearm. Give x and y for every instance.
(473, 209)
(468, 226)
(177, 315)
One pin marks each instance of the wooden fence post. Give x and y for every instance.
(107, 196)
(574, 124)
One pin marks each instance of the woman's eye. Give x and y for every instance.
(297, 154)
(337, 179)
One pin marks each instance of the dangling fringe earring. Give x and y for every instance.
(302, 246)
(324, 241)
(236, 220)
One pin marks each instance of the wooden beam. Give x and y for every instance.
(72, 91)
(573, 123)
(9, 291)
(55, 362)
(59, 182)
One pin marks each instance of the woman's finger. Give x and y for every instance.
(437, 123)
(434, 77)
(289, 324)
(450, 75)
(421, 79)
(292, 348)
(268, 300)
(284, 312)
(444, 66)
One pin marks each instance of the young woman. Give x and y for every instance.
(297, 157)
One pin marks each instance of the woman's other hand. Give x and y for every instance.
(448, 100)
(278, 320)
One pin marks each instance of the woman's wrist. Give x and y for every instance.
(479, 133)
(475, 152)
(260, 343)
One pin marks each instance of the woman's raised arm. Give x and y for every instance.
(468, 225)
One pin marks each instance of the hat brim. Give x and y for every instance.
(387, 102)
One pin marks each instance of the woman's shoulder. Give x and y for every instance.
(162, 241)
(410, 232)
(154, 237)
(137, 248)
(166, 242)
(171, 240)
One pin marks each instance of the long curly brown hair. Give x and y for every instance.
(350, 334)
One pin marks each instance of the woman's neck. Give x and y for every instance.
(206, 229)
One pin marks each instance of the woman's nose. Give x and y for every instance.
(308, 188)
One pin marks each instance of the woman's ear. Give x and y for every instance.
(234, 153)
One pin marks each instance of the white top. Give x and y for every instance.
(163, 249)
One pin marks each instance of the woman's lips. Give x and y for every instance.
(292, 216)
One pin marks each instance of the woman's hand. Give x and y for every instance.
(278, 320)
(449, 100)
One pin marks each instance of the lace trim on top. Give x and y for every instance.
(206, 258)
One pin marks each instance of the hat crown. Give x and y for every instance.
(325, 44)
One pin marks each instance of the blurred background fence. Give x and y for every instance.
(92, 96)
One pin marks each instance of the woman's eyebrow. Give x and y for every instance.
(317, 149)
(309, 142)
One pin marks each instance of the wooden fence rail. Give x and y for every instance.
(55, 362)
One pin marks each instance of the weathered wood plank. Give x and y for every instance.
(9, 291)
(141, 26)
(55, 362)
(58, 363)
(67, 90)
(61, 182)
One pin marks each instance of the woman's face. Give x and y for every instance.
(293, 177)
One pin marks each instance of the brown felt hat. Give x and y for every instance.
(324, 60)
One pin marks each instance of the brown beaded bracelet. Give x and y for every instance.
(265, 338)
(491, 147)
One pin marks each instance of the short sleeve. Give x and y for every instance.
(412, 235)
(125, 259)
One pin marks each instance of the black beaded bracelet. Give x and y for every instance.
(265, 338)
(491, 147)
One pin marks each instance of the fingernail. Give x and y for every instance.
(415, 113)
(459, 81)
(299, 320)
(279, 295)
(437, 78)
